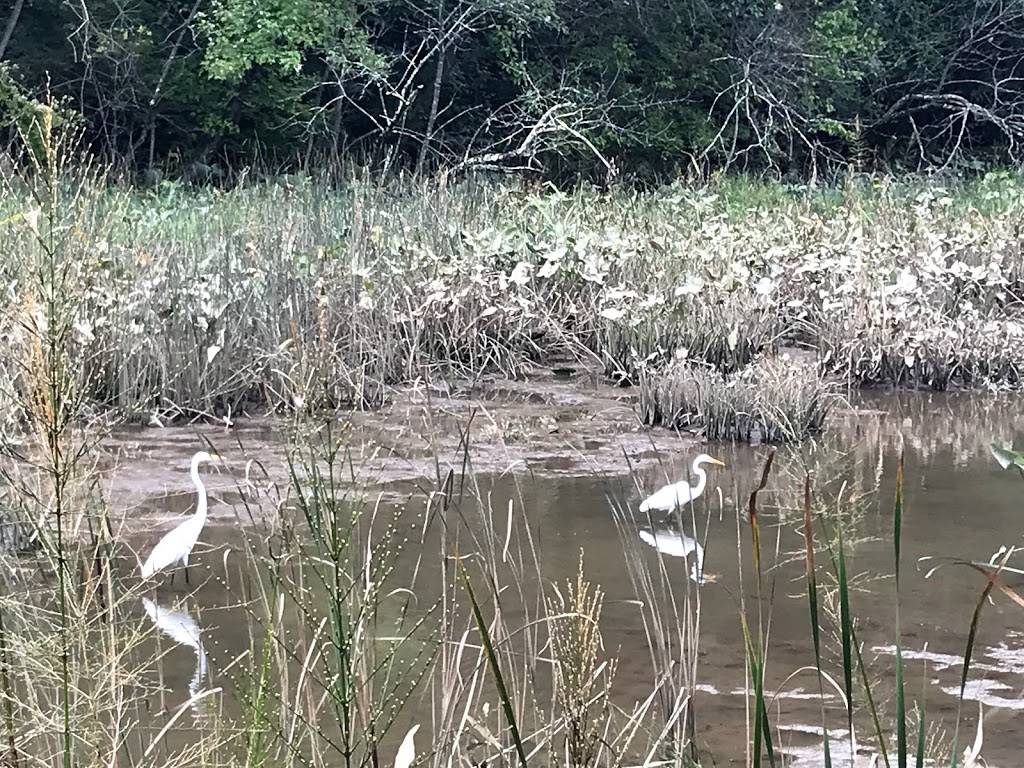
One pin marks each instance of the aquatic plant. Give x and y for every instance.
(291, 294)
(298, 297)
(772, 400)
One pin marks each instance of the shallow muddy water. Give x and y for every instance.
(563, 454)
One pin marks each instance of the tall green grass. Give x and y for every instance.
(853, 665)
(812, 602)
(756, 646)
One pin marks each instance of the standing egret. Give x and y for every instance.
(177, 544)
(678, 495)
(406, 754)
(678, 544)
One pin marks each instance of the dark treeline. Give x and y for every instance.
(568, 86)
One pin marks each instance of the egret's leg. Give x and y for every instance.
(185, 561)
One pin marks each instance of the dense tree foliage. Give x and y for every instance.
(594, 86)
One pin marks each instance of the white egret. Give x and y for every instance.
(678, 495)
(177, 544)
(406, 754)
(678, 544)
(182, 629)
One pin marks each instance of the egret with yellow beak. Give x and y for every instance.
(678, 495)
(177, 544)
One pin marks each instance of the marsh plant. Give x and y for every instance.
(366, 621)
(772, 400)
(299, 296)
(338, 645)
(582, 678)
(291, 293)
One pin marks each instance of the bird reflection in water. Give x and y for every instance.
(180, 627)
(673, 542)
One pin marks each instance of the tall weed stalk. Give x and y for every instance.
(812, 602)
(757, 648)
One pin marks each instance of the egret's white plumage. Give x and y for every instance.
(678, 495)
(406, 754)
(678, 544)
(177, 544)
(182, 629)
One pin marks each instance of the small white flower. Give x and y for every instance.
(906, 282)
(83, 332)
(612, 313)
(593, 273)
(557, 254)
(617, 294)
(653, 300)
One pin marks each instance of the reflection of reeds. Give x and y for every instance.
(958, 425)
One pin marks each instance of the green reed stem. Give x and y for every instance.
(492, 660)
(901, 707)
(812, 600)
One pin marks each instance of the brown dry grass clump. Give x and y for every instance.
(772, 400)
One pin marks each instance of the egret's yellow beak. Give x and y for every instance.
(214, 456)
(716, 461)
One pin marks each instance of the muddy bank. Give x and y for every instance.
(548, 425)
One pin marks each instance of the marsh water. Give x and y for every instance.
(562, 454)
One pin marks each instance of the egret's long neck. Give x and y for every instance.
(702, 480)
(200, 492)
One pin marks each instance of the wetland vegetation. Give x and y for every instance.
(299, 295)
(734, 308)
